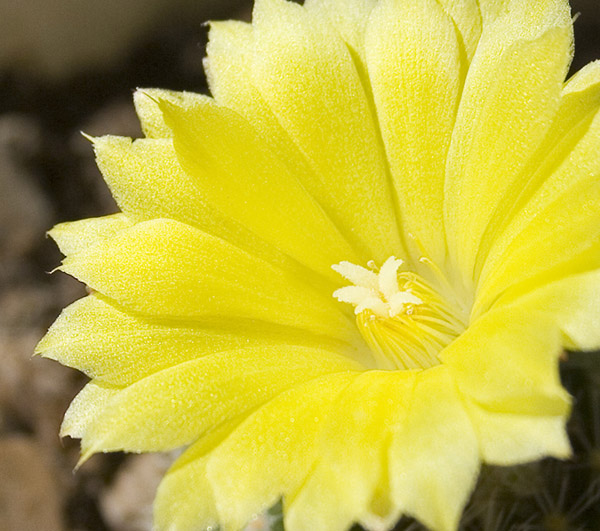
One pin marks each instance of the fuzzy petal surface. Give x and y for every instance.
(434, 457)
(190, 274)
(519, 371)
(175, 406)
(270, 454)
(414, 64)
(370, 182)
(316, 94)
(114, 346)
(74, 236)
(560, 221)
(148, 182)
(184, 500)
(572, 304)
(349, 483)
(579, 104)
(226, 156)
(496, 111)
(507, 439)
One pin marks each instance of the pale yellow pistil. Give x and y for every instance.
(405, 322)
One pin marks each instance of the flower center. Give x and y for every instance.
(403, 319)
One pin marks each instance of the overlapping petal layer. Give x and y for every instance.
(557, 223)
(572, 128)
(271, 453)
(352, 485)
(116, 347)
(175, 406)
(414, 64)
(316, 94)
(234, 168)
(435, 131)
(148, 182)
(499, 124)
(190, 274)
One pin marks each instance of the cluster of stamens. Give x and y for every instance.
(402, 318)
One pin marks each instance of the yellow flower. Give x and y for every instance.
(346, 279)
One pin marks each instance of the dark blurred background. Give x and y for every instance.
(71, 65)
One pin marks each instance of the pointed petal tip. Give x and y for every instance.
(85, 456)
(90, 138)
(144, 93)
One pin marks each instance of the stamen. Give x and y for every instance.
(376, 292)
(402, 318)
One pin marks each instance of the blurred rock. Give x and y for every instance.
(34, 392)
(54, 39)
(587, 37)
(116, 118)
(29, 306)
(127, 503)
(29, 496)
(24, 211)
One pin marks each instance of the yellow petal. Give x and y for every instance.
(149, 112)
(269, 455)
(572, 303)
(244, 179)
(579, 104)
(506, 439)
(315, 92)
(560, 219)
(583, 263)
(86, 407)
(350, 18)
(228, 65)
(230, 70)
(350, 481)
(507, 361)
(413, 58)
(510, 14)
(467, 18)
(165, 268)
(120, 348)
(555, 234)
(176, 406)
(498, 112)
(147, 181)
(75, 236)
(434, 454)
(184, 500)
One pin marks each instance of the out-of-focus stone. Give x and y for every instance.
(127, 503)
(55, 39)
(24, 211)
(24, 306)
(29, 496)
(34, 393)
(117, 118)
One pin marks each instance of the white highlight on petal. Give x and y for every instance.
(377, 292)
